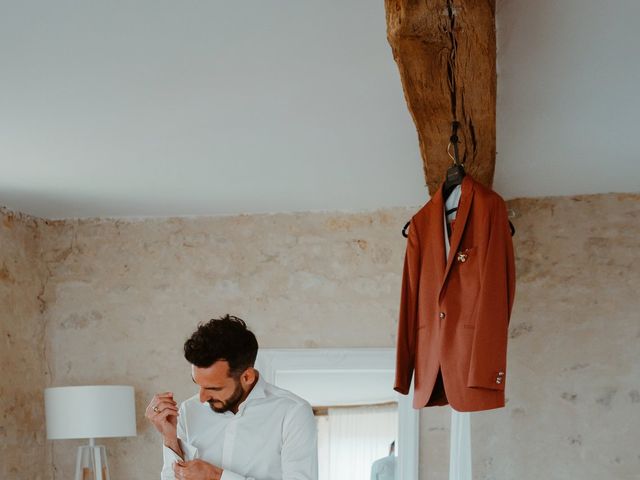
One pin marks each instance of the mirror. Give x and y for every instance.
(365, 429)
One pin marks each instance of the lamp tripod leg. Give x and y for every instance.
(97, 463)
(79, 464)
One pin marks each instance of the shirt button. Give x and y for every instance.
(442, 315)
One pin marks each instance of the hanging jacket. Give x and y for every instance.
(455, 310)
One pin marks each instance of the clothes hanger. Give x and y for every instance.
(404, 229)
(456, 172)
(454, 176)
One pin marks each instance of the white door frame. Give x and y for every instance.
(272, 361)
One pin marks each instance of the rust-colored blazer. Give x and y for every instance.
(454, 312)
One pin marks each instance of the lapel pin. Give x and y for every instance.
(462, 257)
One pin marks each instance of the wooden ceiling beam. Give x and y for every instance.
(420, 35)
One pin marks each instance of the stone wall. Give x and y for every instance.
(23, 448)
(122, 296)
(125, 295)
(573, 378)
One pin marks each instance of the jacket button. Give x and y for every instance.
(442, 315)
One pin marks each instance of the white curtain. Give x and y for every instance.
(352, 438)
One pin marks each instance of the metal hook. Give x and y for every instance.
(453, 159)
(455, 141)
(449, 153)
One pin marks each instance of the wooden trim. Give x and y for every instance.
(322, 411)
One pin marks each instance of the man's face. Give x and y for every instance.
(220, 390)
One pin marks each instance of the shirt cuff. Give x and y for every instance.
(190, 453)
(227, 475)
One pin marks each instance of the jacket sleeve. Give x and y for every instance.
(495, 302)
(407, 321)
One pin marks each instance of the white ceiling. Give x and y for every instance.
(568, 103)
(154, 108)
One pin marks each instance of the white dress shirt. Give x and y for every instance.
(384, 469)
(460, 436)
(272, 437)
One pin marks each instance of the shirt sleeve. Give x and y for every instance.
(169, 456)
(299, 447)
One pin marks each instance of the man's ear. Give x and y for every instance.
(248, 377)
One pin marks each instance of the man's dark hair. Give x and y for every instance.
(226, 338)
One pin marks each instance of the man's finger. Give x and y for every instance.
(163, 415)
(156, 406)
(162, 396)
(164, 412)
(163, 405)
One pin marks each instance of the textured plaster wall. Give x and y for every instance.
(573, 378)
(125, 295)
(122, 296)
(23, 451)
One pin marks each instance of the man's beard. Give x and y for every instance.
(229, 404)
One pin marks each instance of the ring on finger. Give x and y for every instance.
(155, 409)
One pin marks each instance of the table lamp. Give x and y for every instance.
(90, 412)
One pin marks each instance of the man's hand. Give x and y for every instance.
(196, 470)
(162, 412)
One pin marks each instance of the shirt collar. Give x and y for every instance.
(258, 391)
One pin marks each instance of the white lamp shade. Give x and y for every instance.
(90, 412)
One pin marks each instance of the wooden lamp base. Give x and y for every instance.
(91, 462)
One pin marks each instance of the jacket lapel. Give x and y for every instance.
(466, 196)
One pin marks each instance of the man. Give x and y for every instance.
(385, 468)
(238, 427)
